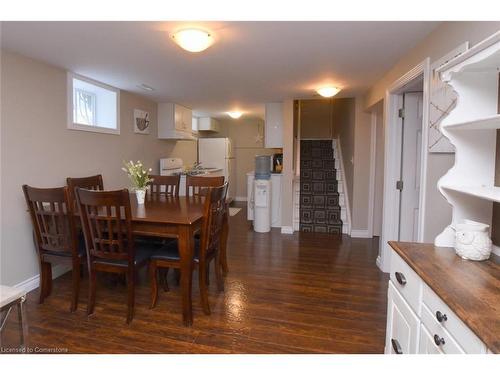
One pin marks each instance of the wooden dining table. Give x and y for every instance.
(172, 217)
(180, 218)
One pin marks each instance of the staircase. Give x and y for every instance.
(321, 192)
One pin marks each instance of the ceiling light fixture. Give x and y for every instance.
(145, 87)
(234, 114)
(328, 91)
(193, 40)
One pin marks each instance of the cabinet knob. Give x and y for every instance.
(441, 317)
(400, 278)
(396, 346)
(438, 340)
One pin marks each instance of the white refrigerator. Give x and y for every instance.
(219, 153)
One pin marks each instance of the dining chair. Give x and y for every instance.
(164, 185)
(90, 182)
(107, 222)
(195, 185)
(55, 236)
(206, 248)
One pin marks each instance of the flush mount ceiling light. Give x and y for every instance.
(234, 114)
(328, 91)
(193, 40)
(145, 87)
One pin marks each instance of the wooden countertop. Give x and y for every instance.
(471, 289)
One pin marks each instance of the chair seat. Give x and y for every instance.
(82, 251)
(143, 252)
(171, 251)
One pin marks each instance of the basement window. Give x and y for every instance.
(92, 106)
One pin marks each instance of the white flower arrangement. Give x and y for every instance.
(138, 174)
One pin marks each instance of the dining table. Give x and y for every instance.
(175, 217)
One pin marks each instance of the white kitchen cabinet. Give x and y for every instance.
(273, 137)
(418, 321)
(174, 122)
(402, 325)
(427, 345)
(208, 124)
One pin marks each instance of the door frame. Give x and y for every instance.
(392, 156)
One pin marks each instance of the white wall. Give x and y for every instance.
(379, 172)
(37, 149)
(288, 171)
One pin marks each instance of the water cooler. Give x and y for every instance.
(262, 194)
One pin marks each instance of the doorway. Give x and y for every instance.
(410, 161)
(405, 159)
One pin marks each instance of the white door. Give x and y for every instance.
(402, 325)
(411, 146)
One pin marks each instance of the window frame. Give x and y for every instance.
(70, 110)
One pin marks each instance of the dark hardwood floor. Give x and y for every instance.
(301, 293)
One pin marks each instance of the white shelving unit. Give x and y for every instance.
(469, 186)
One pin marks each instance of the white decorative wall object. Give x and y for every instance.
(442, 101)
(141, 121)
(471, 127)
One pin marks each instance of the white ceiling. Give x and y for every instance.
(251, 63)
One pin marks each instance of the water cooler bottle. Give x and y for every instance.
(262, 194)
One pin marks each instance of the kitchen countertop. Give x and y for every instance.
(471, 289)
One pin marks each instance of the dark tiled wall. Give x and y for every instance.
(319, 197)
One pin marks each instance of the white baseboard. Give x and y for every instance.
(240, 199)
(378, 262)
(34, 282)
(286, 230)
(360, 233)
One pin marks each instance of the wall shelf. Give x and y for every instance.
(471, 126)
(490, 193)
(486, 123)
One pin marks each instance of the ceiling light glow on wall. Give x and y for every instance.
(193, 40)
(234, 114)
(328, 91)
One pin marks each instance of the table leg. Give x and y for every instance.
(186, 251)
(23, 323)
(223, 244)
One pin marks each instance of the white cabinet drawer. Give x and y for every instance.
(440, 336)
(402, 325)
(406, 281)
(427, 345)
(449, 321)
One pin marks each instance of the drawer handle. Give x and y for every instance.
(438, 340)
(441, 317)
(400, 278)
(396, 346)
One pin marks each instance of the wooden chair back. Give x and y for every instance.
(107, 224)
(90, 183)
(164, 185)
(214, 212)
(197, 185)
(52, 218)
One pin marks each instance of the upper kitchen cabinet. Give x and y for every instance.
(208, 124)
(175, 122)
(274, 125)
